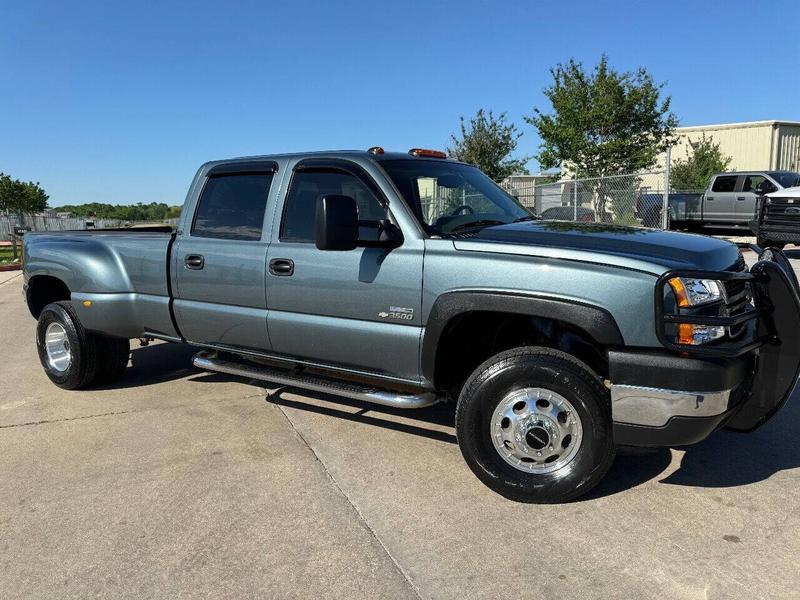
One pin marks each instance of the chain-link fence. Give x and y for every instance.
(634, 199)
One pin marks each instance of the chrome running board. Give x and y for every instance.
(208, 360)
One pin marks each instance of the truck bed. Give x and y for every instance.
(123, 272)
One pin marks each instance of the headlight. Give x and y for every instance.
(696, 292)
(694, 335)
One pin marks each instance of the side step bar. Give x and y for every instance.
(208, 360)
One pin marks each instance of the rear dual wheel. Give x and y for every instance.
(534, 425)
(72, 357)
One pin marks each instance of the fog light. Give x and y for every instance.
(694, 335)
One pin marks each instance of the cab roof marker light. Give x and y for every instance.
(427, 153)
(375, 150)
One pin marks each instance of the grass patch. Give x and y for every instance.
(7, 254)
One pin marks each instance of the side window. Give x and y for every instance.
(751, 181)
(724, 183)
(308, 186)
(232, 206)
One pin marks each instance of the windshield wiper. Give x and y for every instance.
(481, 223)
(526, 218)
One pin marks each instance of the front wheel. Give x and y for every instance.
(534, 425)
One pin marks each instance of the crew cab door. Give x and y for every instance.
(718, 203)
(219, 260)
(355, 309)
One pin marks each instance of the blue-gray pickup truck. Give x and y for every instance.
(406, 279)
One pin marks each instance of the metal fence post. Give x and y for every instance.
(665, 204)
(575, 196)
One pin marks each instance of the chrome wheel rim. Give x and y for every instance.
(56, 344)
(536, 430)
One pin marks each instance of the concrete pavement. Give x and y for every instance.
(175, 482)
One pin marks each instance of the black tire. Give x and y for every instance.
(531, 367)
(114, 355)
(80, 344)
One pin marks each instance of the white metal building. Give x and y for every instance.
(755, 145)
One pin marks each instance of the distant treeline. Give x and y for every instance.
(155, 211)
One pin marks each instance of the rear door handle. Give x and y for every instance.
(194, 261)
(709, 197)
(740, 197)
(282, 267)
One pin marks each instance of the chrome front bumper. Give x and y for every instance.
(654, 407)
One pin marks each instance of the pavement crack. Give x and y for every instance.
(10, 279)
(46, 421)
(355, 508)
(119, 412)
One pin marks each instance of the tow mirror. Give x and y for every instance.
(336, 223)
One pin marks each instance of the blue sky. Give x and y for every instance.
(121, 102)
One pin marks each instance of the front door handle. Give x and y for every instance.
(740, 198)
(282, 267)
(194, 261)
(709, 197)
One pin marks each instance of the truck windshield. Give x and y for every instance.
(449, 197)
(786, 179)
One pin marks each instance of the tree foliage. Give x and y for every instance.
(487, 142)
(21, 196)
(704, 160)
(154, 211)
(604, 122)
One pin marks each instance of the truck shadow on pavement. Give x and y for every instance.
(631, 468)
(726, 459)
(729, 459)
(371, 414)
(154, 364)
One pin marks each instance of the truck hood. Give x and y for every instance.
(626, 245)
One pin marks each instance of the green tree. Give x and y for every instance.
(694, 173)
(174, 212)
(487, 142)
(604, 122)
(21, 196)
(154, 211)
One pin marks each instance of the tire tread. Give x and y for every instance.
(562, 361)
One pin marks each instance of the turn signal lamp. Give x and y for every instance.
(427, 153)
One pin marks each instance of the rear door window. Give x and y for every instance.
(232, 206)
(724, 183)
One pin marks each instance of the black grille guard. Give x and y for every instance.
(758, 277)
